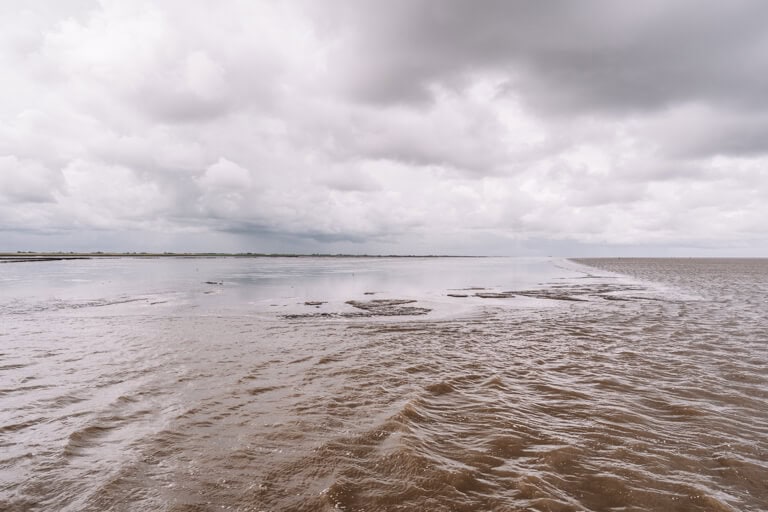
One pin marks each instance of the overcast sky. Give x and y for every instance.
(406, 126)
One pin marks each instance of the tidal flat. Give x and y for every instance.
(377, 384)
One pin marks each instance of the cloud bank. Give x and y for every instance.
(418, 126)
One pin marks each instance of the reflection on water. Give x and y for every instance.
(256, 285)
(529, 385)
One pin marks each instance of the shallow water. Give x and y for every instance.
(211, 384)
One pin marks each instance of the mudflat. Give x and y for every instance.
(384, 384)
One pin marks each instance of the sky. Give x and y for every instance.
(401, 127)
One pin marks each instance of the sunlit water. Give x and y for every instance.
(251, 384)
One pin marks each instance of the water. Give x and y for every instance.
(252, 384)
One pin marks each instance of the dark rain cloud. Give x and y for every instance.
(564, 56)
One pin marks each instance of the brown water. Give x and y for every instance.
(628, 385)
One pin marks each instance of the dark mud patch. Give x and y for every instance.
(549, 294)
(580, 293)
(565, 292)
(389, 307)
(496, 295)
(371, 308)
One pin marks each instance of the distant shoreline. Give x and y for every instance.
(25, 257)
(30, 256)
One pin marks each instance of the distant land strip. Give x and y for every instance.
(31, 256)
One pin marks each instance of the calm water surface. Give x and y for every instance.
(384, 384)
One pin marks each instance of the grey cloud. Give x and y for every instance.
(335, 237)
(266, 230)
(175, 106)
(564, 56)
(349, 180)
(422, 139)
(718, 134)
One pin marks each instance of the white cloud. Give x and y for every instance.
(27, 181)
(225, 175)
(102, 196)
